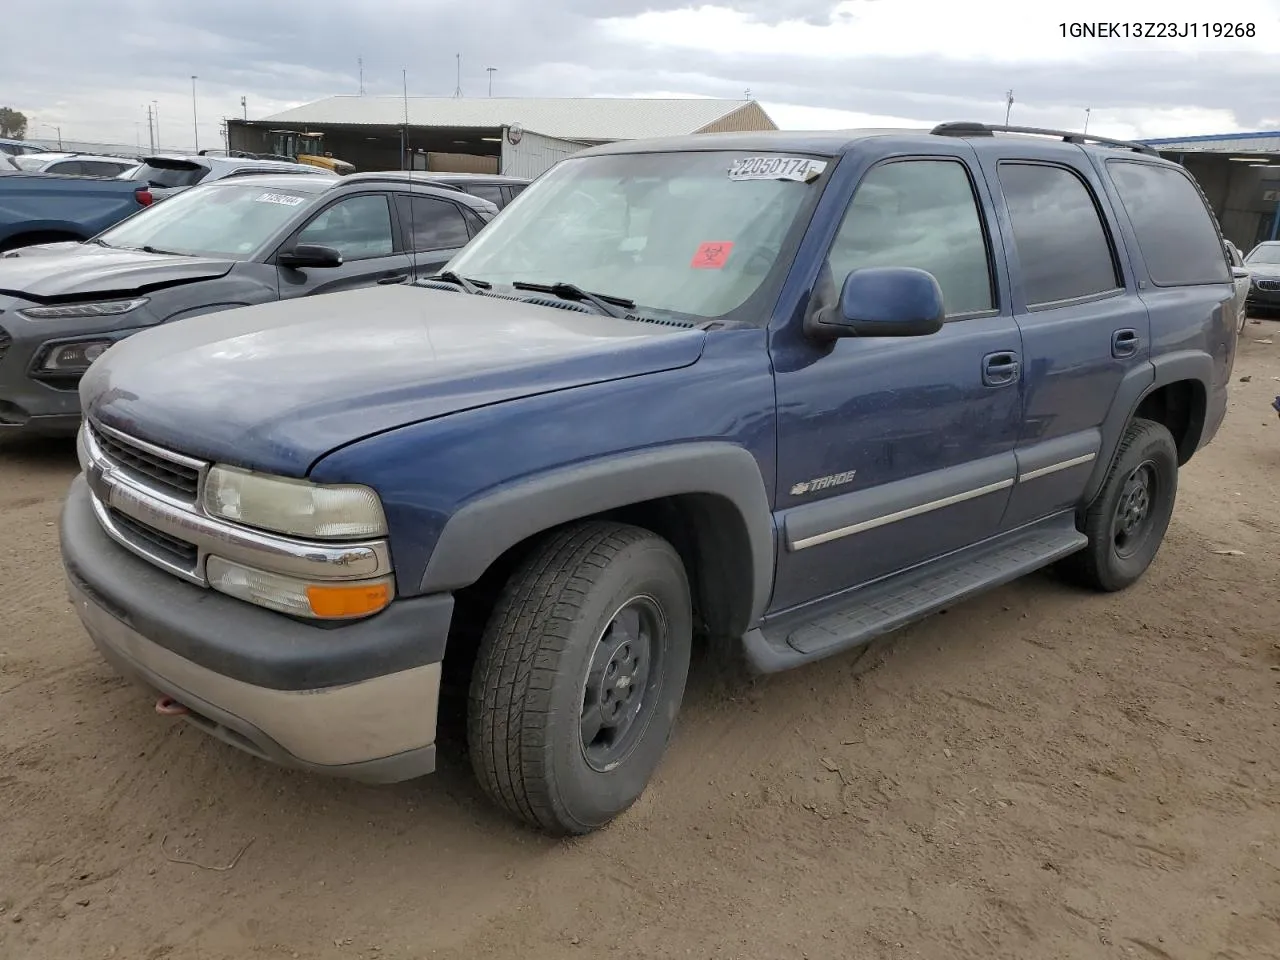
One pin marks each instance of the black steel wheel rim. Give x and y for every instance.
(1135, 511)
(622, 682)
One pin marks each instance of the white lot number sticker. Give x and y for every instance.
(281, 198)
(799, 169)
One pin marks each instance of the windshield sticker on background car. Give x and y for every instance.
(281, 198)
(712, 255)
(799, 169)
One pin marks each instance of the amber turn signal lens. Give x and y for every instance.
(338, 601)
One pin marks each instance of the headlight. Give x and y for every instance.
(322, 601)
(68, 311)
(296, 507)
(74, 357)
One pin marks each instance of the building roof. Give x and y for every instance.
(566, 118)
(1264, 141)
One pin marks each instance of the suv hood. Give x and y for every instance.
(76, 271)
(1267, 271)
(277, 386)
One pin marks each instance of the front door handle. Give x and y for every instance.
(1125, 343)
(394, 278)
(1000, 369)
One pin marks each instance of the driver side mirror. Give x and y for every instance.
(1240, 273)
(884, 302)
(309, 255)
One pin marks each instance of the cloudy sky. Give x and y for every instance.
(91, 69)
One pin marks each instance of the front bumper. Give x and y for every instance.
(358, 700)
(1267, 299)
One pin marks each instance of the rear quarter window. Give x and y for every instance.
(1176, 232)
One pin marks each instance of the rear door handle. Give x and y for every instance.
(1125, 343)
(395, 278)
(1000, 369)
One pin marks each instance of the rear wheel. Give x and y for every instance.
(1126, 522)
(579, 676)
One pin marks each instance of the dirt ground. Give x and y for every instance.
(1037, 773)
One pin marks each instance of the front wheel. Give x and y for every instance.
(579, 676)
(1128, 518)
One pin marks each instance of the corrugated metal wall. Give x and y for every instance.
(534, 154)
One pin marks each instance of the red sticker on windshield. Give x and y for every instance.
(712, 255)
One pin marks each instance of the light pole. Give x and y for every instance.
(1008, 106)
(492, 71)
(195, 122)
(1086, 118)
(157, 146)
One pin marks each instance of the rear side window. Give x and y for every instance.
(1062, 245)
(487, 191)
(432, 224)
(1175, 231)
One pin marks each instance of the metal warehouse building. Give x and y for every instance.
(513, 136)
(1240, 174)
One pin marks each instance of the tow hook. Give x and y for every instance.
(169, 707)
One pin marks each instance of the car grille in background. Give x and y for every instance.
(176, 478)
(5, 340)
(1262, 285)
(157, 544)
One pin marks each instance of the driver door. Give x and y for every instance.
(362, 229)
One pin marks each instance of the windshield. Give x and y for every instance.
(31, 161)
(230, 220)
(689, 233)
(1267, 253)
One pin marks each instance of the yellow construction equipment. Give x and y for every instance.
(308, 148)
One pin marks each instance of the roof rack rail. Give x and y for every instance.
(965, 128)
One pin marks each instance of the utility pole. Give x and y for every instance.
(491, 71)
(195, 122)
(457, 91)
(244, 105)
(360, 66)
(158, 142)
(404, 131)
(1008, 106)
(151, 133)
(226, 135)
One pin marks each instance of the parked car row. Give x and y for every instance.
(244, 238)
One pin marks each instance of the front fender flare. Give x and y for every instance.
(486, 527)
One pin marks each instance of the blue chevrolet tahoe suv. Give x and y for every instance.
(782, 391)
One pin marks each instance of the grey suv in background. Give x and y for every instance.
(243, 240)
(76, 164)
(173, 173)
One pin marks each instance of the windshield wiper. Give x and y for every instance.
(147, 248)
(470, 286)
(604, 302)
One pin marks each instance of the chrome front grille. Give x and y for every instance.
(147, 499)
(1268, 284)
(173, 474)
(154, 542)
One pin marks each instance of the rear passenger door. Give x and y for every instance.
(362, 229)
(436, 229)
(1083, 325)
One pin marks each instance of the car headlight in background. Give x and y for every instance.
(73, 357)
(70, 311)
(294, 507)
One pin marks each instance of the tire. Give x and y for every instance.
(1126, 522)
(569, 626)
